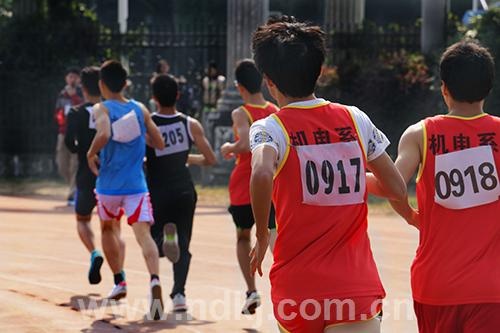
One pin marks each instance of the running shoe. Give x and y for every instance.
(71, 200)
(119, 291)
(156, 301)
(179, 302)
(96, 261)
(251, 303)
(171, 243)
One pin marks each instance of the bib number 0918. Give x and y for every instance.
(454, 182)
(328, 176)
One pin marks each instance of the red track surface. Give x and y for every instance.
(44, 288)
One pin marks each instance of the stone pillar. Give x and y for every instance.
(344, 15)
(243, 17)
(434, 13)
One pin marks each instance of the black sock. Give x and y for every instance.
(154, 276)
(118, 278)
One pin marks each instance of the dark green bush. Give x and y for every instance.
(487, 31)
(395, 90)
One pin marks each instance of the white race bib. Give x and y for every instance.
(126, 128)
(90, 110)
(176, 139)
(332, 174)
(466, 178)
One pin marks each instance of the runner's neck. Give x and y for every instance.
(466, 110)
(93, 99)
(284, 100)
(167, 110)
(118, 97)
(255, 99)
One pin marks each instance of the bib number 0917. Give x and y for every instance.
(328, 176)
(332, 174)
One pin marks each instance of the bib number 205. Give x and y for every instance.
(176, 139)
(332, 174)
(466, 178)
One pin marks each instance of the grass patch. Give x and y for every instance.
(52, 188)
(207, 195)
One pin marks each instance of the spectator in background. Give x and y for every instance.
(162, 67)
(70, 96)
(213, 85)
(186, 100)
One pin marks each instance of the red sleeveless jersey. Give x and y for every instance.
(322, 250)
(239, 182)
(458, 191)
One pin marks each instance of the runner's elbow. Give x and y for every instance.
(159, 144)
(103, 136)
(261, 175)
(399, 191)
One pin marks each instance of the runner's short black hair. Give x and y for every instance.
(248, 76)
(290, 54)
(468, 71)
(90, 80)
(114, 75)
(165, 90)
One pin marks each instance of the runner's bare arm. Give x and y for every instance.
(386, 178)
(207, 156)
(409, 157)
(264, 162)
(410, 151)
(242, 125)
(101, 138)
(153, 135)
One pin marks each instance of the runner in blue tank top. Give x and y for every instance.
(123, 129)
(121, 171)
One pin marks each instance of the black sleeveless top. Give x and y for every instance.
(80, 131)
(167, 169)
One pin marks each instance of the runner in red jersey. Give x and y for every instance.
(249, 83)
(455, 279)
(317, 152)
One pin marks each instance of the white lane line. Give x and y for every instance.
(79, 263)
(193, 242)
(38, 284)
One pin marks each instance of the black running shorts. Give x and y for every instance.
(243, 217)
(85, 201)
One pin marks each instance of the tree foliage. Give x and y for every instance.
(487, 30)
(58, 34)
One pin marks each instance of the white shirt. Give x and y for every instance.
(268, 132)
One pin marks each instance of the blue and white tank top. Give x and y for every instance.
(121, 170)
